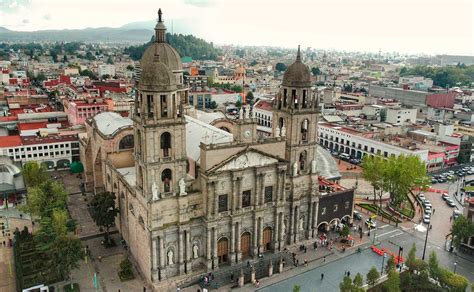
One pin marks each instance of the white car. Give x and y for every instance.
(371, 223)
(426, 219)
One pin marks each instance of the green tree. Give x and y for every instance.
(358, 280)
(315, 71)
(238, 103)
(393, 282)
(65, 254)
(90, 56)
(44, 198)
(373, 168)
(296, 288)
(34, 173)
(390, 265)
(110, 60)
(453, 282)
(89, 74)
(253, 63)
(280, 67)
(372, 276)
(345, 231)
(411, 257)
(126, 269)
(249, 97)
(103, 211)
(213, 104)
(346, 284)
(130, 68)
(433, 266)
(461, 228)
(65, 58)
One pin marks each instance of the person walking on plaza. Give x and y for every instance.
(322, 276)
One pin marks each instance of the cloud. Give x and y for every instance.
(47, 16)
(12, 6)
(200, 3)
(25, 21)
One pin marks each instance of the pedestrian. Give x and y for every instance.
(305, 249)
(232, 276)
(324, 259)
(450, 218)
(322, 276)
(248, 264)
(305, 262)
(3, 232)
(434, 210)
(4, 243)
(144, 289)
(178, 289)
(348, 273)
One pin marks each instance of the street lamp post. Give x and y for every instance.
(426, 240)
(383, 261)
(455, 265)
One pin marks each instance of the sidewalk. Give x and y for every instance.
(7, 269)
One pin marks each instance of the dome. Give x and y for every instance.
(297, 74)
(168, 55)
(156, 76)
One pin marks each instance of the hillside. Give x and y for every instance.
(91, 35)
(186, 45)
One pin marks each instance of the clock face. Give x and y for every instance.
(247, 133)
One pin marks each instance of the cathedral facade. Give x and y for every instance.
(194, 197)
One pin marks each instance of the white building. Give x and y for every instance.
(54, 151)
(262, 112)
(357, 143)
(400, 115)
(106, 69)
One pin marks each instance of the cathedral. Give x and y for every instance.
(194, 197)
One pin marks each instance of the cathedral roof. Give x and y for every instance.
(156, 76)
(109, 123)
(297, 74)
(168, 55)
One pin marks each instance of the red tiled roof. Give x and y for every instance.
(10, 141)
(264, 105)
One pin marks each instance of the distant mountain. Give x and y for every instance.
(133, 33)
(91, 35)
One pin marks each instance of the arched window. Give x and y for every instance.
(165, 143)
(304, 130)
(305, 99)
(303, 157)
(126, 142)
(166, 177)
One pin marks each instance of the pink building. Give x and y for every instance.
(79, 111)
(435, 161)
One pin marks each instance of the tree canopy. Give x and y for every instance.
(372, 276)
(280, 67)
(315, 71)
(461, 228)
(103, 211)
(443, 76)
(34, 173)
(186, 45)
(44, 198)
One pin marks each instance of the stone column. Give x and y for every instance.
(296, 227)
(276, 232)
(270, 268)
(209, 248)
(260, 234)
(241, 279)
(262, 188)
(233, 200)
(281, 241)
(252, 275)
(283, 191)
(154, 259)
(161, 245)
(232, 244)
(180, 251)
(309, 224)
(239, 248)
(239, 193)
(278, 188)
(209, 200)
(214, 249)
(256, 199)
(315, 218)
(280, 265)
(216, 198)
(187, 240)
(291, 226)
(255, 236)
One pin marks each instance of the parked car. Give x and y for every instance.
(422, 197)
(428, 211)
(445, 196)
(434, 181)
(427, 203)
(450, 202)
(456, 214)
(357, 215)
(426, 219)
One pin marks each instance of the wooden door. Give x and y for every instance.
(245, 244)
(267, 239)
(222, 250)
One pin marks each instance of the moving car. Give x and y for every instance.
(445, 196)
(371, 223)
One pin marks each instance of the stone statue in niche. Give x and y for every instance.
(283, 131)
(241, 113)
(155, 192)
(277, 132)
(170, 257)
(301, 223)
(182, 187)
(195, 251)
(295, 169)
(284, 227)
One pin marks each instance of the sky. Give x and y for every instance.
(406, 26)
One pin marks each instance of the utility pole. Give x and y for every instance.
(426, 240)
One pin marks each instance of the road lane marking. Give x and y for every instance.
(378, 235)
